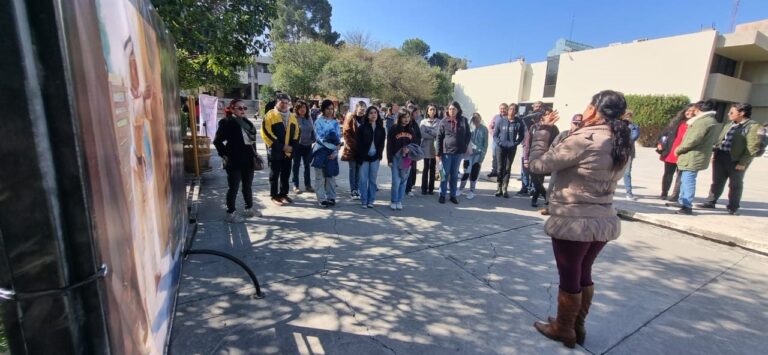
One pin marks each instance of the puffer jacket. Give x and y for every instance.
(695, 152)
(581, 201)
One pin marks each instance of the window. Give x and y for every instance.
(723, 65)
(550, 81)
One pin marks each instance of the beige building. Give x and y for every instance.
(727, 68)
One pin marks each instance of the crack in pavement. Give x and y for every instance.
(675, 304)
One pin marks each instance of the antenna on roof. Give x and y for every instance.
(573, 20)
(734, 11)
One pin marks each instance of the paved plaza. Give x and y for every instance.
(466, 279)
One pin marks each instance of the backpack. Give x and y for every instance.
(762, 135)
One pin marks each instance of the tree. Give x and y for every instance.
(350, 73)
(447, 63)
(298, 67)
(301, 20)
(362, 40)
(215, 38)
(443, 87)
(415, 47)
(403, 77)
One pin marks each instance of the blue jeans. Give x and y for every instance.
(368, 172)
(354, 176)
(527, 184)
(451, 166)
(628, 176)
(687, 187)
(399, 178)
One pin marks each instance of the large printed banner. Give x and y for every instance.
(125, 84)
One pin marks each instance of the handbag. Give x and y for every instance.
(258, 163)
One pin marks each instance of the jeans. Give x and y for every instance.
(303, 153)
(628, 176)
(451, 166)
(280, 171)
(234, 177)
(325, 187)
(505, 156)
(687, 188)
(724, 169)
(354, 176)
(369, 170)
(399, 178)
(670, 172)
(428, 175)
(525, 176)
(574, 263)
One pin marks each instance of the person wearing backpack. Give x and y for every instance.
(737, 145)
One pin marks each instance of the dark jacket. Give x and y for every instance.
(276, 135)
(453, 142)
(745, 143)
(367, 134)
(398, 138)
(508, 134)
(666, 139)
(229, 143)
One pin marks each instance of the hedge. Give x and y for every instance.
(653, 112)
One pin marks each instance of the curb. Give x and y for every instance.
(730, 240)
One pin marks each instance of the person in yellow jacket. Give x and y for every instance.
(280, 132)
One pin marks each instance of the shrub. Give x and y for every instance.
(653, 113)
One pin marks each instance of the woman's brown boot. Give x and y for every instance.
(562, 329)
(586, 302)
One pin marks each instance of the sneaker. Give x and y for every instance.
(370, 205)
(685, 211)
(706, 205)
(332, 202)
(363, 206)
(441, 199)
(297, 190)
(411, 194)
(355, 195)
(631, 197)
(399, 206)
(287, 199)
(393, 206)
(498, 193)
(278, 201)
(250, 212)
(506, 195)
(534, 203)
(470, 195)
(733, 212)
(492, 174)
(461, 192)
(309, 189)
(523, 192)
(454, 200)
(233, 218)
(663, 197)
(673, 204)
(325, 203)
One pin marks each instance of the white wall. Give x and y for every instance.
(673, 66)
(483, 89)
(533, 89)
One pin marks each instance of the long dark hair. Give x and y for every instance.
(611, 106)
(298, 105)
(379, 120)
(459, 112)
(679, 118)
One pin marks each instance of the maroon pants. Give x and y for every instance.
(574, 262)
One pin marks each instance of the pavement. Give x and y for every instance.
(466, 279)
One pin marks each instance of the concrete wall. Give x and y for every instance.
(534, 83)
(483, 89)
(672, 65)
(757, 73)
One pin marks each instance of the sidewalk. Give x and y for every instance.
(447, 279)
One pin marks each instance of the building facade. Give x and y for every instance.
(727, 68)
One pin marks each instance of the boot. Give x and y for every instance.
(562, 329)
(586, 302)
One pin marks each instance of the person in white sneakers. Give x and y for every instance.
(475, 155)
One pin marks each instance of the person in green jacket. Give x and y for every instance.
(695, 152)
(473, 161)
(737, 145)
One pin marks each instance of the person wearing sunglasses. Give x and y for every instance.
(235, 142)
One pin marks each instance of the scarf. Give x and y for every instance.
(249, 129)
(454, 123)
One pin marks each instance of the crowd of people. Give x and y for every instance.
(585, 162)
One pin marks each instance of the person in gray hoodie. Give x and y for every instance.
(428, 128)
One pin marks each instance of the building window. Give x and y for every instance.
(550, 81)
(723, 65)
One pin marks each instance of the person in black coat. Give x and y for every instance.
(236, 144)
(370, 137)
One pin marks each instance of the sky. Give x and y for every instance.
(493, 32)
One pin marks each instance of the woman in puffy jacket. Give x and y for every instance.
(589, 163)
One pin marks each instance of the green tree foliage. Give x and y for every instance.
(215, 38)
(299, 66)
(301, 20)
(653, 112)
(350, 73)
(446, 62)
(415, 47)
(443, 87)
(403, 77)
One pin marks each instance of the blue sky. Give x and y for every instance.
(492, 32)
